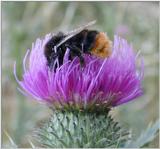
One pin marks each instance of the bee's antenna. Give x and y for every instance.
(74, 32)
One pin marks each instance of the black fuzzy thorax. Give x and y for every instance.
(78, 44)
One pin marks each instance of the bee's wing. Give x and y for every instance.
(74, 32)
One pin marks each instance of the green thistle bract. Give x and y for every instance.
(81, 129)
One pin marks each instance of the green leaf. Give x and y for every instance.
(12, 143)
(31, 143)
(146, 137)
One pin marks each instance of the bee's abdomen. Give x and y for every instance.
(102, 45)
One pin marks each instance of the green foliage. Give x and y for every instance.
(146, 137)
(81, 129)
(12, 143)
(61, 131)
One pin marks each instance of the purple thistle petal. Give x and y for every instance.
(111, 81)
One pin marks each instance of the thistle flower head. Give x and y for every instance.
(100, 83)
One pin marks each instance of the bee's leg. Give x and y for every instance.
(77, 52)
(52, 61)
(81, 60)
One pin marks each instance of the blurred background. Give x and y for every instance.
(23, 22)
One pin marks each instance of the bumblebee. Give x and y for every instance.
(79, 41)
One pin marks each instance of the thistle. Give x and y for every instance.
(81, 97)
